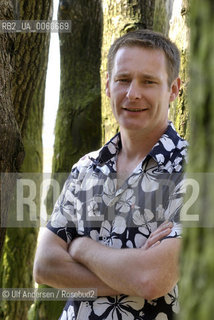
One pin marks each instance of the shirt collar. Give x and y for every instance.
(109, 150)
(162, 151)
(169, 146)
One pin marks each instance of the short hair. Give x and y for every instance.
(148, 39)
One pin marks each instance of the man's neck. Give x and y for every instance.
(135, 145)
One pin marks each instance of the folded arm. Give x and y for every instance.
(149, 273)
(54, 266)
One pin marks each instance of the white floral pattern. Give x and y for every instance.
(69, 314)
(91, 205)
(116, 306)
(110, 232)
(126, 201)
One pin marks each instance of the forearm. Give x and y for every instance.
(102, 261)
(131, 271)
(54, 266)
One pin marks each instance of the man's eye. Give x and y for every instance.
(149, 82)
(122, 80)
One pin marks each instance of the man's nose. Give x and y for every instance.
(134, 91)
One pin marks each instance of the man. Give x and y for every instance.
(106, 231)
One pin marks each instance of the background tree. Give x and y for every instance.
(179, 33)
(78, 123)
(78, 129)
(11, 151)
(28, 57)
(197, 261)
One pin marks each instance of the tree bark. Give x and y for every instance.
(28, 54)
(197, 260)
(77, 128)
(11, 147)
(179, 33)
(171, 18)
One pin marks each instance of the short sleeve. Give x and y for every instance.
(175, 204)
(63, 219)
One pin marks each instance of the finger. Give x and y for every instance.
(162, 231)
(166, 224)
(161, 234)
(157, 237)
(162, 227)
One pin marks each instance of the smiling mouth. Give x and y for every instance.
(134, 109)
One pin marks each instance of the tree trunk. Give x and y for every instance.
(78, 123)
(11, 148)
(29, 58)
(162, 15)
(120, 17)
(78, 127)
(171, 18)
(179, 33)
(197, 260)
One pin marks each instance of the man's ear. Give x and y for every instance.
(175, 87)
(108, 85)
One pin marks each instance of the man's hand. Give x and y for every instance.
(159, 234)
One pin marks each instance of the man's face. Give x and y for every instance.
(139, 91)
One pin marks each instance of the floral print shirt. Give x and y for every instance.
(91, 205)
